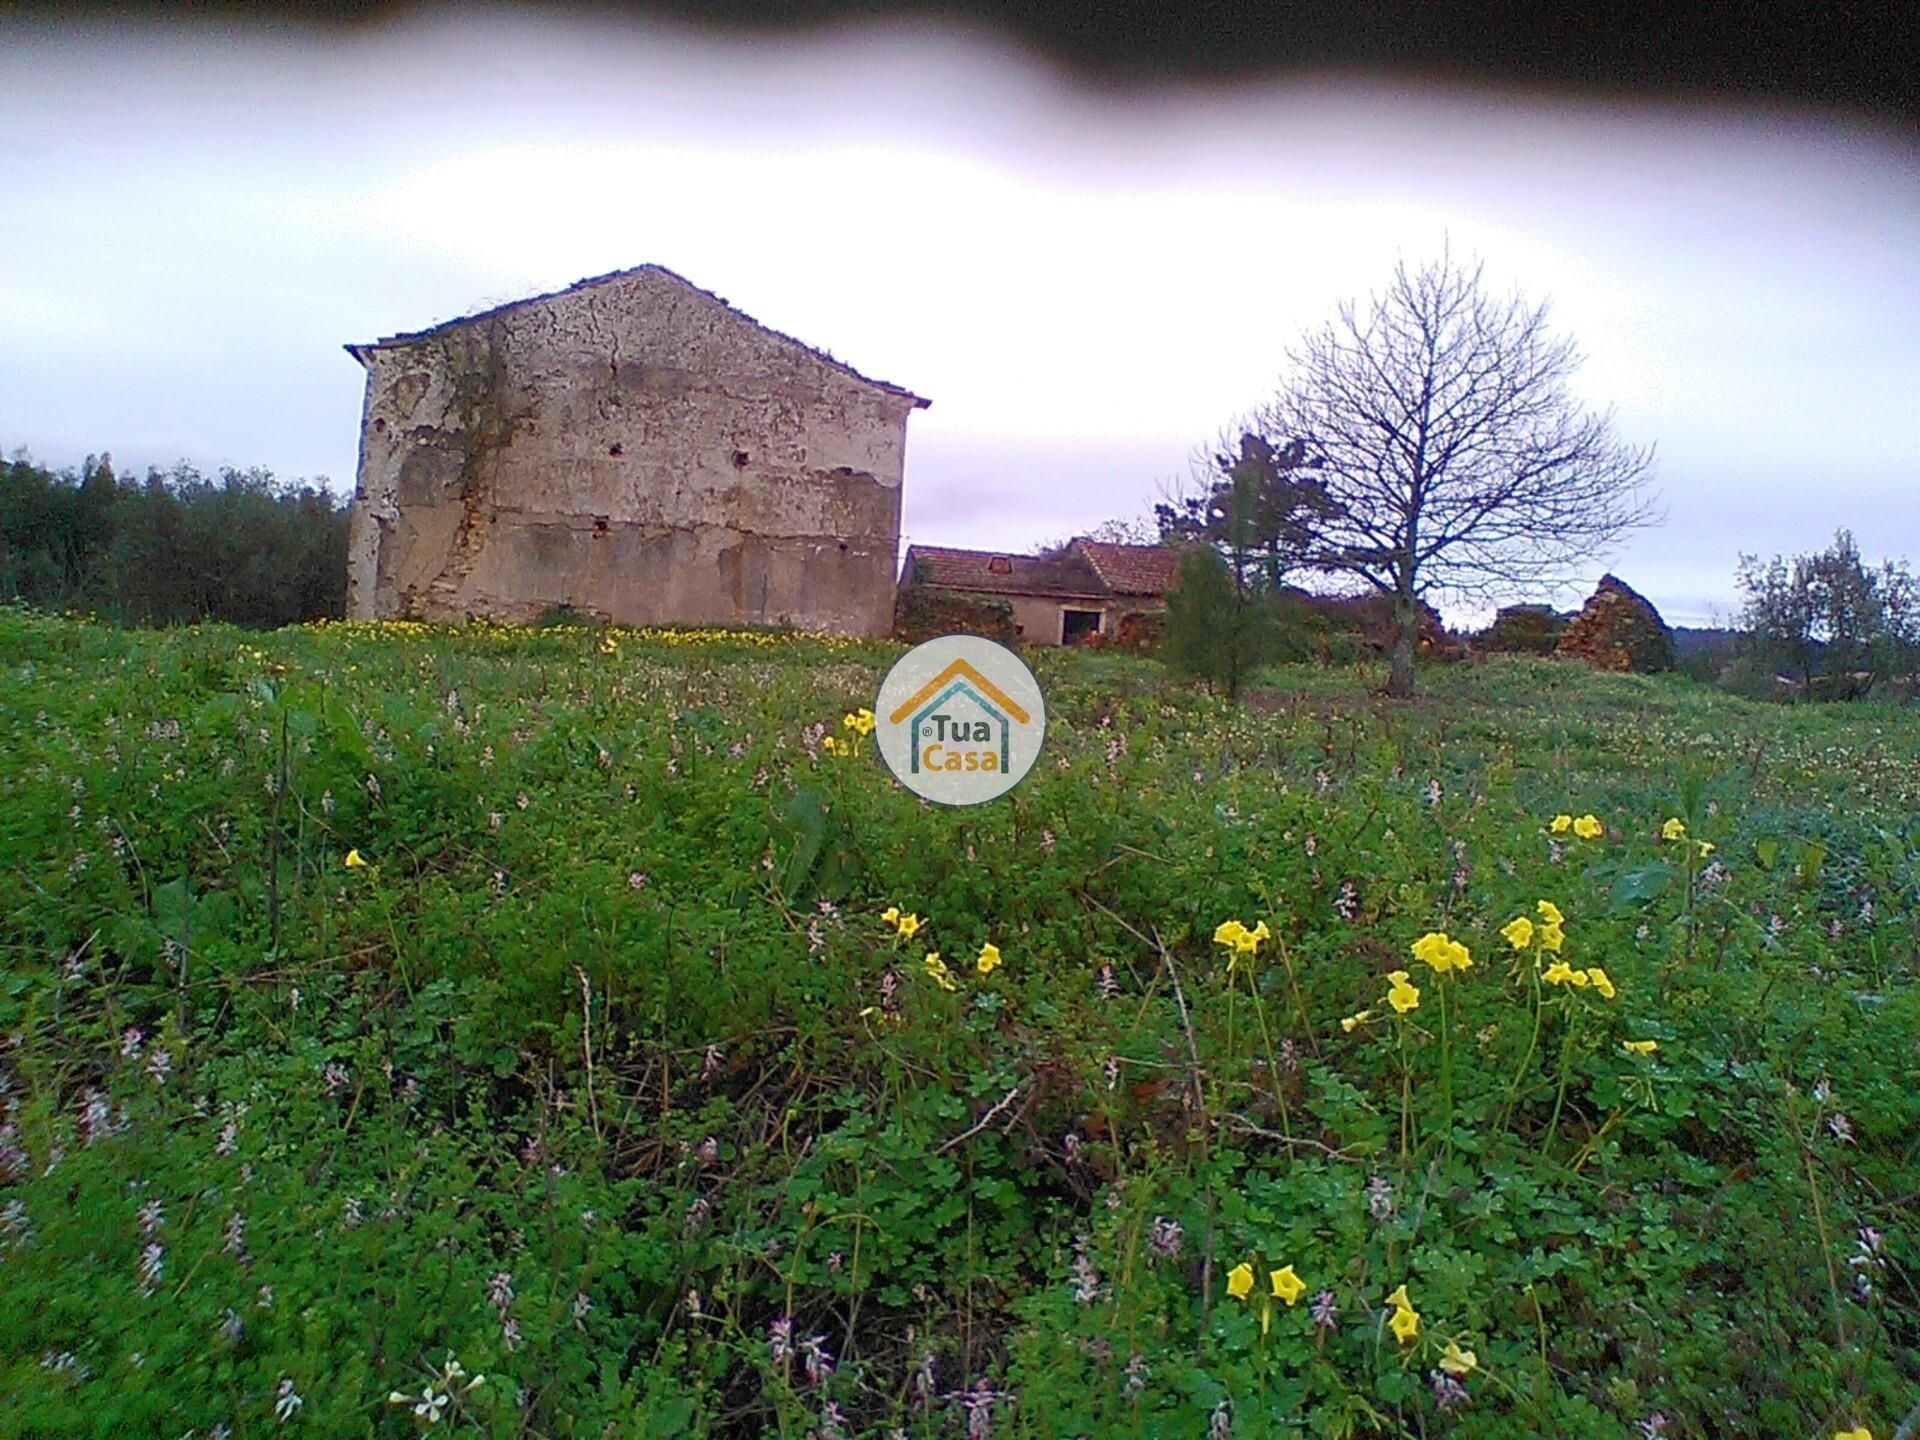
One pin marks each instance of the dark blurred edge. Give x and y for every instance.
(1852, 58)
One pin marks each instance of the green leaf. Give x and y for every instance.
(1637, 887)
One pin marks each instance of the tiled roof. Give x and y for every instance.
(989, 572)
(1132, 569)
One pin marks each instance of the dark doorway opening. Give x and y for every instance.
(1077, 625)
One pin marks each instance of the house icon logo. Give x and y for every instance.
(960, 720)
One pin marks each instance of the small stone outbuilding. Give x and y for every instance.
(631, 449)
(1086, 589)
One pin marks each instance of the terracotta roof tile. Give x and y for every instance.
(991, 572)
(1132, 569)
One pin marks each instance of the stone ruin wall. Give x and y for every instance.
(634, 451)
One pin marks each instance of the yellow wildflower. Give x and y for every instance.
(1552, 937)
(1550, 912)
(1405, 1324)
(1228, 932)
(1442, 952)
(354, 862)
(859, 721)
(1398, 1299)
(1457, 1361)
(937, 970)
(1588, 827)
(908, 926)
(1561, 824)
(989, 959)
(1560, 973)
(1602, 982)
(1640, 1047)
(1706, 848)
(1287, 1286)
(1240, 1281)
(891, 914)
(1518, 932)
(1355, 1021)
(1403, 997)
(1674, 829)
(1579, 979)
(1859, 1432)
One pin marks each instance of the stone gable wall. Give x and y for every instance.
(632, 450)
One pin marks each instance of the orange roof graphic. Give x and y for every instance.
(961, 668)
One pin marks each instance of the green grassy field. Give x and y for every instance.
(602, 1098)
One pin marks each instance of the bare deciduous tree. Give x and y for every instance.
(1439, 421)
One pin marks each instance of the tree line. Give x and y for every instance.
(176, 547)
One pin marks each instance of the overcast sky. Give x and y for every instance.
(1085, 282)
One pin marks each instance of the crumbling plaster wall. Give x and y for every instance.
(631, 449)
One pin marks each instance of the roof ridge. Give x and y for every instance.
(408, 337)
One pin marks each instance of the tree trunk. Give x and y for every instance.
(1406, 631)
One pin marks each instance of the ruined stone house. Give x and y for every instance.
(633, 449)
(1087, 588)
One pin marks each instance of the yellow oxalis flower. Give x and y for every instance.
(1405, 1324)
(1403, 997)
(1550, 912)
(938, 971)
(1457, 1361)
(1706, 848)
(1588, 827)
(1640, 1047)
(1602, 982)
(1240, 1281)
(1242, 940)
(1561, 973)
(1354, 1022)
(989, 960)
(909, 926)
(1287, 1286)
(891, 914)
(1518, 932)
(1398, 1299)
(1552, 937)
(860, 722)
(354, 862)
(1442, 952)
(1674, 829)
(1859, 1432)
(1561, 824)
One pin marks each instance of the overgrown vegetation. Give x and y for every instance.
(1831, 623)
(175, 548)
(387, 1007)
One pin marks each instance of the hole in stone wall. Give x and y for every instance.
(599, 524)
(616, 449)
(380, 426)
(739, 459)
